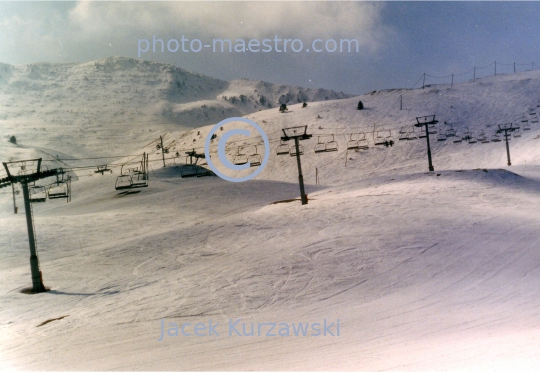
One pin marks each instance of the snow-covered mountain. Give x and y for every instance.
(115, 102)
(422, 270)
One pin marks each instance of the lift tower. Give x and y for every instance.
(426, 121)
(297, 134)
(26, 172)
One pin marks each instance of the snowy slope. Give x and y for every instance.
(425, 271)
(479, 106)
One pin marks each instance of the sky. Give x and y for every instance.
(397, 41)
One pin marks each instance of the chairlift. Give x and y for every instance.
(320, 147)
(255, 159)
(465, 133)
(38, 194)
(517, 133)
(432, 130)
(472, 139)
(496, 138)
(240, 159)
(102, 169)
(403, 134)
(389, 139)
(139, 180)
(457, 138)
(123, 182)
(282, 149)
(482, 138)
(58, 189)
(441, 137)
(412, 135)
(332, 146)
(362, 141)
(352, 144)
(534, 119)
(379, 138)
(525, 126)
(450, 132)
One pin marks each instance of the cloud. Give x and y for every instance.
(246, 20)
(30, 29)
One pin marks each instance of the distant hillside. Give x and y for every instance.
(115, 101)
(475, 107)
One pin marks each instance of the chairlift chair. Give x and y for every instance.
(403, 134)
(496, 138)
(457, 138)
(320, 147)
(517, 133)
(102, 169)
(331, 146)
(58, 190)
(282, 149)
(412, 135)
(139, 180)
(362, 141)
(482, 138)
(255, 159)
(38, 194)
(525, 124)
(432, 130)
(352, 144)
(422, 133)
(472, 139)
(465, 133)
(239, 158)
(379, 138)
(441, 137)
(123, 182)
(450, 132)
(534, 119)
(388, 138)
